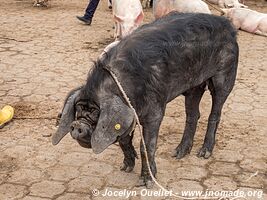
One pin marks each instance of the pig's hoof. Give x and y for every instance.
(149, 184)
(204, 152)
(126, 168)
(145, 182)
(141, 182)
(181, 151)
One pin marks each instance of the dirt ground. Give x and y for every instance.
(45, 52)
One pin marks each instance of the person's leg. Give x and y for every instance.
(91, 8)
(89, 12)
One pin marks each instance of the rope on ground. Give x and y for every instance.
(23, 118)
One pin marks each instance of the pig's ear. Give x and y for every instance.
(118, 18)
(67, 117)
(115, 120)
(139, 18)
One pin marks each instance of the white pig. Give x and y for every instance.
(128, 15)
(248, 20)
(163, 7)
(228, 3)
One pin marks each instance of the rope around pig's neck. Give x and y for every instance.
(126, 98)
(138, 123)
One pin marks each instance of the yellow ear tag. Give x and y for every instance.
(117, 127)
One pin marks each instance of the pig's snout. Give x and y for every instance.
(78, 130)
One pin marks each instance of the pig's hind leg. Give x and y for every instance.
(192, 100)
(220, 87)
(129, 153)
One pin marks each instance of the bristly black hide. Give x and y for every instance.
(192, 46)
(177, 54)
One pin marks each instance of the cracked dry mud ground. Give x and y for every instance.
(46, 52)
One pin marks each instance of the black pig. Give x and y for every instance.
(177, 54)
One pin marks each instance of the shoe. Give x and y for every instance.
(83, 19)
(6, 114)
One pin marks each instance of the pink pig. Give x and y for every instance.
(248, 20)
(228, 3)
(128, 15)
(163, 7)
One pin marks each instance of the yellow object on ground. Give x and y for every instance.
(6, 114)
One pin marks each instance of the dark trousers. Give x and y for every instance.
(91, 8)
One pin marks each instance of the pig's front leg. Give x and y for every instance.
(129, 153)
(150, 132)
